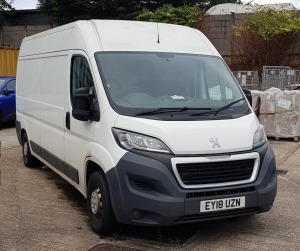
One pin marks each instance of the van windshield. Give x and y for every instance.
(163, 85)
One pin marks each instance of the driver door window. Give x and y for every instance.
(80, 74)
(11, 85)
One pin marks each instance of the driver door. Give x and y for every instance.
(78, 134)
(8, 99)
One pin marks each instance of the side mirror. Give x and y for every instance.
(248, 95)
(11, 90)
(85, 105)
(7, 91)
(82, 104)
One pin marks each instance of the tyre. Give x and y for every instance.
(99, 207)
(28, 159)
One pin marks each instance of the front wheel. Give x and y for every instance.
(99, 207)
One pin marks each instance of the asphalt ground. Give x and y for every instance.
(40, 211)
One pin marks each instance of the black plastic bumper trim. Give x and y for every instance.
(144, 192)
(56, 162)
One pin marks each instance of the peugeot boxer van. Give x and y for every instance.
(145, 120)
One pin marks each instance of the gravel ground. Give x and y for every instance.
(40, 211)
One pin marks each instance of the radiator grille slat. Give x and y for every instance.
(215, 172)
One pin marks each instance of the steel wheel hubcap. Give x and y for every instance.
(96, 201)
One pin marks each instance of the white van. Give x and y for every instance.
(145, 120)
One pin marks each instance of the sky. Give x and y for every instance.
(23, 4)
(31, 4)
(296, 3)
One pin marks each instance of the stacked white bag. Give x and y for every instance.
(280, 113)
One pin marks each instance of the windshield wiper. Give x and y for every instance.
(170, 109)
(215, 112)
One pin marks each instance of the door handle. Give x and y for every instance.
(68, 120)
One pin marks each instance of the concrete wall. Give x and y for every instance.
(219, 29)
(13, 35)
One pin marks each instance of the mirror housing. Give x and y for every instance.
(82, 104)
(11, 90)
(85, 105)
(247, 92)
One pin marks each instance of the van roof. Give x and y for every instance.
(119, 35)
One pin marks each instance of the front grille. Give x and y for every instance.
(206, 173)
(212, 193)
(140, 184)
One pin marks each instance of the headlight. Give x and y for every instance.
(259, 137)
(130, 140)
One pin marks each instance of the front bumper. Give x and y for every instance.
(144, 191)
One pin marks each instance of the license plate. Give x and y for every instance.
(222, 204)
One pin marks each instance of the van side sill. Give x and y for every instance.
(56, 162)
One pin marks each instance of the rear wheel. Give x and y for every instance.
(28, 159)
(99, 207)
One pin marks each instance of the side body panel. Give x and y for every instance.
(43, 100)
(28, 96)
(53, 93)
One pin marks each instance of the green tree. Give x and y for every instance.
(183, 15)
(267, 38)
(5, 9)
(70, 10)
(203, 4)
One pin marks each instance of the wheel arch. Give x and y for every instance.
(99, 159)
(23, 131)
(91, 167)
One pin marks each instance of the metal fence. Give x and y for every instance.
(8, 61)
(281, 77)
(294, 79)
(247, 79)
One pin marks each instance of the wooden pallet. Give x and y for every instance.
(294, 138)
